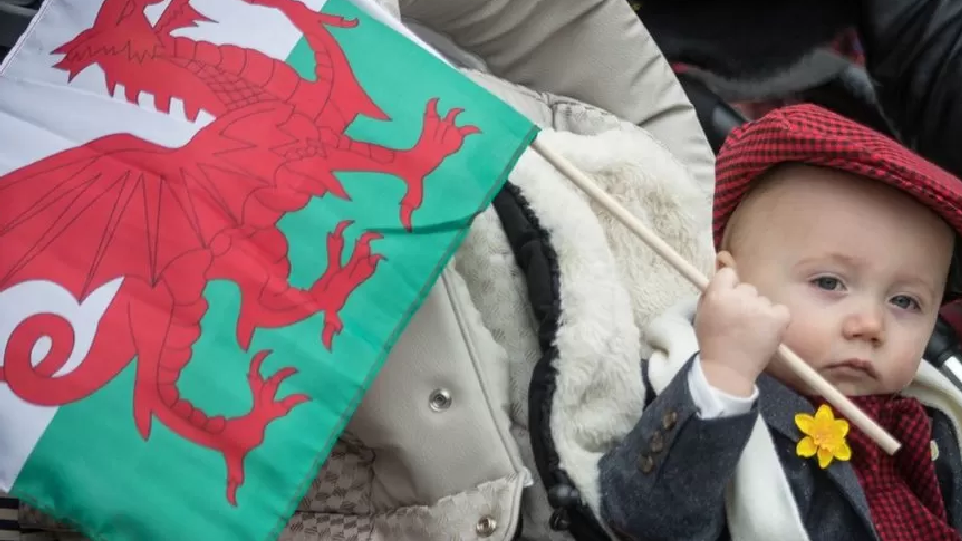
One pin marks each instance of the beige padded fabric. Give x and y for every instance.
(596, 51)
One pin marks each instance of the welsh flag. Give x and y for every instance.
(216, 217)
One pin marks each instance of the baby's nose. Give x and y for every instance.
(865, 323)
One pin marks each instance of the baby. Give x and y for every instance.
(837, 242)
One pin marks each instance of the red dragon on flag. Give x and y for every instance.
(154, 225)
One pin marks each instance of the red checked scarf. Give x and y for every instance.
(902, 490)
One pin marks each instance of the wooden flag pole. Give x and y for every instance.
(845, 406)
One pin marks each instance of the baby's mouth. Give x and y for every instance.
(852, 367)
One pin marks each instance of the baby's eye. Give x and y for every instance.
(906, 303)
(828, 283)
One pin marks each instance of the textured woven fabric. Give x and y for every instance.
(813, 135)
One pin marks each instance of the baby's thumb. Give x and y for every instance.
(725, 278)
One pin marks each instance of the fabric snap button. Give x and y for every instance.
(440, 400)
(486, 526)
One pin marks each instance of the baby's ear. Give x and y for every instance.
(723, 260)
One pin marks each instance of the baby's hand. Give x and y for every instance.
(738, 332)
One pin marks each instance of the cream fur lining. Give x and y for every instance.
(610, 285)
(759, 472)
(599, 378)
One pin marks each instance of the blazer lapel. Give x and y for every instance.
(778, 405)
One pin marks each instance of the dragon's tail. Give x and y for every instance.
(58, 378)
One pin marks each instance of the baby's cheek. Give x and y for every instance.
(901, 373)
(904, 357)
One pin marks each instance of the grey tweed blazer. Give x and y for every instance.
(667, 479)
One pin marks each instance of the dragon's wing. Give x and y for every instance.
(122, 206)
(117, 206)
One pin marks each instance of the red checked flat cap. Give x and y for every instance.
(812, 135)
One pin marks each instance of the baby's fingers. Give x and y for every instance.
(725, 279)
(780, 315)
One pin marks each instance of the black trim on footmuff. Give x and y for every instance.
(537, 259)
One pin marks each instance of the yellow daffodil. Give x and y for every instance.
(824, 436)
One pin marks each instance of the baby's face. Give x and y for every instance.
(860, 266)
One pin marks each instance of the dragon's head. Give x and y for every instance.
(121, 28)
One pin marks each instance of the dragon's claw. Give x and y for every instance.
(336, 21)
(339, 281)
(368, 237)
(264, 391)
(232, 486)
(246, 433)
(440, 137)
(341, 227)
(332, 327)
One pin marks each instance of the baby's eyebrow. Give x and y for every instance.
(842, 258)
(914, 280)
